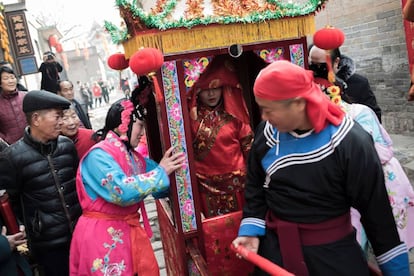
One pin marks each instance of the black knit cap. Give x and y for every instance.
(42, 99)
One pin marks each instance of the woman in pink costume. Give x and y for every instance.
(112, 182)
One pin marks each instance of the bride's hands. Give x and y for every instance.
(171, 162)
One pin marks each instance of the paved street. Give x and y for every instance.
(403, 146)
(97, 115)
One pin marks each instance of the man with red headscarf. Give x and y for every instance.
(308, 165)
(221, 137)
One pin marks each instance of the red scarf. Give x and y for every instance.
(283, 80)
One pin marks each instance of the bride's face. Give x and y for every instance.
(210, 97)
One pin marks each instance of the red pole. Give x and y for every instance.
(262, 263)
(7, 213)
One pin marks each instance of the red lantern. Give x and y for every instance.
(328, 38)
(53, 40)
(117, 61)
(146, 60)
(59, 47)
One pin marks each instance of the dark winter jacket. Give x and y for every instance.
(50, 75)
(83, 116)
(42, 176)
(3, 144)
(12, 119)
(358, 89)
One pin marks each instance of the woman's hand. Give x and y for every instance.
(15, 239)
(171, 162)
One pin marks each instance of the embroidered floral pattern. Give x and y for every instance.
(116, 191)
(104, 182)
(135, 178)
(398, 202)
(104, 265)
(390, 175)
(149, 176)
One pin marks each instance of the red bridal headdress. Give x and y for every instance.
(221, 73)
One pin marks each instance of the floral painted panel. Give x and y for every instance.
(193, 69)
(271, 55)
(297, 55)
(177, 138)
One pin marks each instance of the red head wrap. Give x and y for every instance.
(221, 73)
(282, 80)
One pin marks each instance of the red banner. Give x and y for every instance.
(409, 38)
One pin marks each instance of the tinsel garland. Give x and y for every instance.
(116, 33)
(163, 21)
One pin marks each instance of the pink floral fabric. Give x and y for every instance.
(399, 188)
(102, 243)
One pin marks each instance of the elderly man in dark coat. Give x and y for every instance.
(38, 173)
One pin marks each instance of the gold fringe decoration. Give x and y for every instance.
(176, 41)
(4, 41)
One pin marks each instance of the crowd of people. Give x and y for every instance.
(317, 175)
(46, 138)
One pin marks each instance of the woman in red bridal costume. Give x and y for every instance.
(222, 137)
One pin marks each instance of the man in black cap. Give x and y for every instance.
(39, 172)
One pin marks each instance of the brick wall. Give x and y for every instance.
(375, 40)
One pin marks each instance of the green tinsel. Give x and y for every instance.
(160, 21)
(117, 35)
(120, 3)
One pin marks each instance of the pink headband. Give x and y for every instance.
(126, 115)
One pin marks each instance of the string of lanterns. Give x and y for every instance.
(146, 61)
(4, 39)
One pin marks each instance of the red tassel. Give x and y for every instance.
(120, 80)
(331, 74)
(158, 94)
